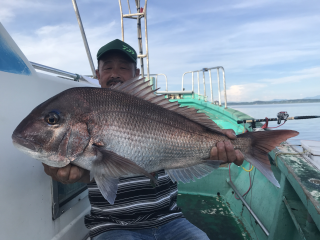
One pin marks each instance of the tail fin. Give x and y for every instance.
(261, 144)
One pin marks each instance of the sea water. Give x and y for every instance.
(309, 129)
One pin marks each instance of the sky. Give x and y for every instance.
(269, 49)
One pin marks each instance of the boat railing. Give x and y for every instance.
(204, 83)
(156, 80)
(74, 76)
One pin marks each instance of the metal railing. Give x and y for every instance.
(141, 13)
(41, 67)
(156, 82)
(264, 229)
(204, 83)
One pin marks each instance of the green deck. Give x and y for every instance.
(207, 213)
(264, 198)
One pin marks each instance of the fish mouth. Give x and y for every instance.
(22, 142)
(113, 82)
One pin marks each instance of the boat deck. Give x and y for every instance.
(213, 216)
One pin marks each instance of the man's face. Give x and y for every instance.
(115, 67)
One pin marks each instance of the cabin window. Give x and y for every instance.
(66, 196)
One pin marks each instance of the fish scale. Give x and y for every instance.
(129, 131)
(161, 137)
(160, 133)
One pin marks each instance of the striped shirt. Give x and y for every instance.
(137, 205)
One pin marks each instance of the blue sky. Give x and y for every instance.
(269, 49)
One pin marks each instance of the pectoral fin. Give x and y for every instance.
(108, 167)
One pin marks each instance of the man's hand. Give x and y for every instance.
(68, 174)
(224, 150)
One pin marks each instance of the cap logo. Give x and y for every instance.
(127, 49)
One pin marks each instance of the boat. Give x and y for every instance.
(33, 206)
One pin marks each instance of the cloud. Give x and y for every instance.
(11, 8)
(302, 75)
(61, 46)
(264, 91)
(251, 4)
(280, 24)
(6, 15)
(241, 46)
(7, 10)
(244, 92)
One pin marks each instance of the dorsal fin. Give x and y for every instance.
(139, 88)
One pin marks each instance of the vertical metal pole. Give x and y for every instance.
(152, 82)
(192, 82)
(211, 85)
(166, 83)
(224, 88)
(146, 34)
(192, 85)
(204, 85)
(249, 209)
(129, 6)
(219, 90)
(182, 81)
(85, 42)
(140, 37)
(122, 31)
(198, 85)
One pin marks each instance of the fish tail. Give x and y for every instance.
(262, 143)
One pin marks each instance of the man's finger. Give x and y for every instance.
(214, 154)
(240, 158)
(230, 152)
(49, 170)
(63, 174)
(230, 134)
(75, 174)
(222, 155)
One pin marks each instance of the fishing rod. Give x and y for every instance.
(280, 116)
(275, 119)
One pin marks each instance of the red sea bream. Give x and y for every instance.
(129, 130)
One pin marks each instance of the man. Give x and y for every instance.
(140, 211)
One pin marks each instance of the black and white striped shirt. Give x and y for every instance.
(137, 205)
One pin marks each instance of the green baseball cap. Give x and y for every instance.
(120, 46)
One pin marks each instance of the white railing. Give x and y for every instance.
(204, 83)
(156, 81)
(44, 68)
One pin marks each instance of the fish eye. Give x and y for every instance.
(52, 118)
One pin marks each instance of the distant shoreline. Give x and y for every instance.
(275, 102)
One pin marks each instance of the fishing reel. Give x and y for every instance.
(282, 116)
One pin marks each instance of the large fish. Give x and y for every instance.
(129, 130)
